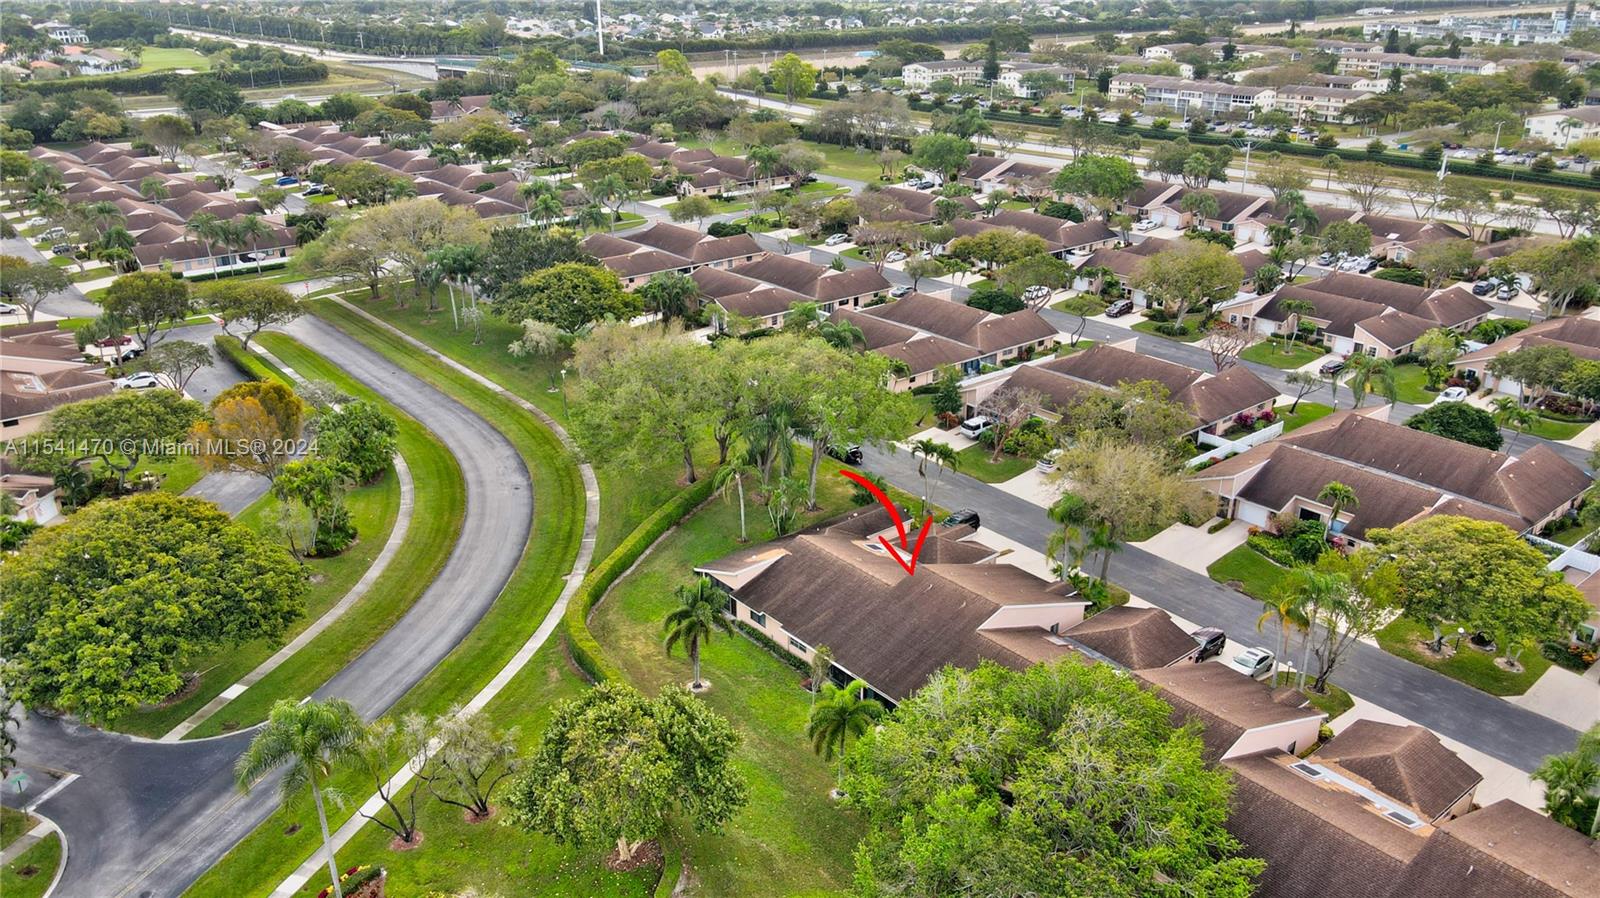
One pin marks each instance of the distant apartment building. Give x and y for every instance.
(1219, 50)
(1015, 77)
(1321, 104)
(922, 75)
(1382, 63)
(1511, 30)
(1564, 126)
(1186, 96)
(61, 31)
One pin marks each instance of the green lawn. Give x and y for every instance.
(921, 419)
(974, 462)
(790, 839)
(718, 206)
(32, 872)
(1149, 327)
(1082, 304)
(155, 59)
(1410, 383)
(841, 162)
(13, 823)
(1468, 665)
(272, 852)
(1270, 352)
(1303, 414)
(1551, 429)
(1255, 573)
(1065, 349)
(1332, 703)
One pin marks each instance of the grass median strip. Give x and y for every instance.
(440, 503)
(278, 846)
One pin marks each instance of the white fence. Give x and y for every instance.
(1222, 447)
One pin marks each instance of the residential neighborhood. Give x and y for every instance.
(1054, 449)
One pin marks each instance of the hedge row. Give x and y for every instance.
(152, 83)
(1349, 154)
(581, 644)
(249, 364)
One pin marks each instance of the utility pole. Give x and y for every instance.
(600, 29)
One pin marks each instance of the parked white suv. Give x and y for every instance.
(1257, 664)
(972, 428)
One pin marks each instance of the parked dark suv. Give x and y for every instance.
(1212, 641)
(962, 517)
(1119, 308)
(850, 455)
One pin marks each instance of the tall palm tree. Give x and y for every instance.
(1103, 539)
(1286, 608)
(251, 230)
(1070, 512)
(613, 193)
(733, 472)
(842, 334)
(942, 456)
(1371, 374)
(670, 295)
(591, 216)
(232, 239)
(1315, 591)
(309, 740)
(1572, 785)
(1338, 497)
(202, 226)
(841, 715)
(698, 615)
(1296, 309)
(1510, 413)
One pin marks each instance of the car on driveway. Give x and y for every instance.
(1482, 288)
(895, 256)
(141, 380)
(1257, 664)
(1149, 224)
(7, 308)
(1453, 394)
(1119, 308)
(961, 518)
(974, 427)
(1047, 461)
(286, 181)
(900, 290)
(64, 249)
(1506, 292)
(1211, 643)
(1331, 366)
(1036, 292)
(836, 239)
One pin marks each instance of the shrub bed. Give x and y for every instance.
(249, 364)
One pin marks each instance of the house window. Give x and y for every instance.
(1307, 514)
(759, 618)
(799, 646)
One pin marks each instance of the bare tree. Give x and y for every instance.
(1367, 184)
(1225, 341)
(1008, 408)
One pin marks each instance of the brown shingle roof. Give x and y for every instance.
(1224, 701)
(1136, 638)
(1503, 850)
(1406, 763)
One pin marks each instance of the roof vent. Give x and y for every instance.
(1309, 771)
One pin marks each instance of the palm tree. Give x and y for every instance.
(1572, 785)
(229, 235)
(842, 334)
(763, 162)
(943, 457)
(1510, 413)
(840, 716)
(1315, 590)
(1069, 512)
(591, 217)
(612, 192)
(1296, 309)
(250, 230)
(734, 471)
(1103, 539)
(203, 226)
(670, 295)
(1286, 608)
(1371, 374)
(309, 739)
(1337, 497)
(698, 615)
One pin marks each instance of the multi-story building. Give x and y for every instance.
(1320, 104)
(1379, 63)
(1513, 30)
(922, 75)
(1196, 97)
(61, 31)
(1015, 77)
(1564, 126)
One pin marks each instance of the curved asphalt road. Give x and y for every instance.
(146, 819)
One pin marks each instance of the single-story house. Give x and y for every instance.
(1357, 314)
(1580, 336)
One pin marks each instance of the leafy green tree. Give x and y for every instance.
(572, 296)
(205, 97)
(672, 62)
(308, 739)
(1537, 369)
(947, 392)
(249, 307)
(118, 431)
(470, 759)
(943, 153)
(840, 716)
(361, 435)
(1349, 237)
(1107, 179)
(698, 615)
(793, 76)
(996, 247)
(148, 301)
(1370, 374)
(318, 484)
(1190, 275)
(515, 253)
(253, 428)
(30, 284)
(1460, 422)
(693, 208)
(177, 360)
(1128, 489)
(975, 785)
(1572, 784)
(1436, 349)
(103, 611)
(670, 295)
(1445, 260)
(613, 766)
(632, 403)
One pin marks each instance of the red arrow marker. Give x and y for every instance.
(899, 525)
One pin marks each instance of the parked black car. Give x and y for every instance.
(1333, 366)
(962, 517)
(1212, 641)
(1482, 288)
(850, 455)
(1119, 308)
